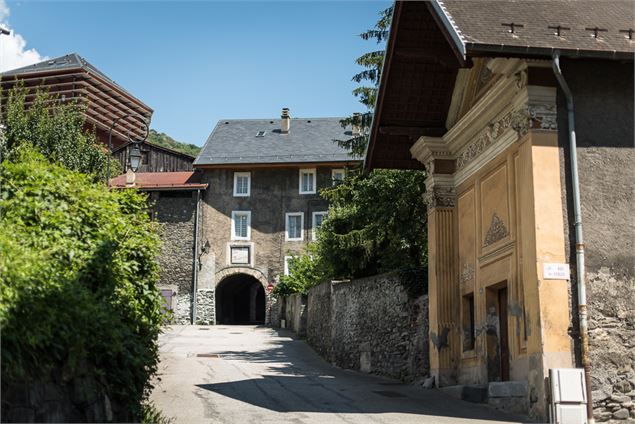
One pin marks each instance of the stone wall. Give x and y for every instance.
(175, 212)
(296, 313)
(81, 399)
(319, 321)
(604, 108)
(371, 325)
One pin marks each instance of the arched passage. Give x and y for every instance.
(240, 299)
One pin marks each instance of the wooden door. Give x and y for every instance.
(504, 339)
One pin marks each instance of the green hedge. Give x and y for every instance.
(77, 281)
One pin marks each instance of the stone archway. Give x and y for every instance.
(240, 298)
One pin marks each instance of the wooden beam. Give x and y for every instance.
(430, 54)
(411, 131)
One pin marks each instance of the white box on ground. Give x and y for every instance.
(568, 396)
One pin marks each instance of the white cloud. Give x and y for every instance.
(13, 51)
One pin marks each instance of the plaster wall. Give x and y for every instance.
(603, 100)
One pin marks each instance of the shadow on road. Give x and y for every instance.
(298, 380)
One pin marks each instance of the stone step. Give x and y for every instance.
(476, 393)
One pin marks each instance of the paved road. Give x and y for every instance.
(259, 375)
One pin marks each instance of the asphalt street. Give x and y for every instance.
(251, 374)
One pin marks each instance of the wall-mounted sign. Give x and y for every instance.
(555, 271)
(240, 255)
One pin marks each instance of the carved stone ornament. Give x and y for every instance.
(521, 122)
(517, 120)
(440, 197)
(497, 231)
(543, 116)
(467, 273)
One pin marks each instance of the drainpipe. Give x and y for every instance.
(195, 257)
(579, 242)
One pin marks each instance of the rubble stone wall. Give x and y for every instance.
(371, 325)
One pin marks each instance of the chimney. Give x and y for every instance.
(285, 122)
(356, 125)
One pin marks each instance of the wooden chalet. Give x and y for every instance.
(72, 78)
(155, 158)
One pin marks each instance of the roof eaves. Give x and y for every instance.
(476, 49)
(450, 26)
(379, 98)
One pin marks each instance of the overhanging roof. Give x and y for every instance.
(164, 181)
(419, 74)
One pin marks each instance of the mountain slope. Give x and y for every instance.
(165, 140)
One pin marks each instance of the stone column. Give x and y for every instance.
(443, 287)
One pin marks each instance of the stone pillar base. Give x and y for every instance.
(205, 307)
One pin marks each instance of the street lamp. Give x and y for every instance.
(135, 144)
(135, 157)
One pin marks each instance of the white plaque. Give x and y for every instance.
(240, 255)
(554, 271)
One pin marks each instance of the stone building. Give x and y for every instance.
(262, 206)
(175, 199)
(472, 91)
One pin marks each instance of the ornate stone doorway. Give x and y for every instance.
(240, 299)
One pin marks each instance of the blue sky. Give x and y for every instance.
(195, 63)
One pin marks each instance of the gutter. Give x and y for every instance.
(195, 257)
(579, 241)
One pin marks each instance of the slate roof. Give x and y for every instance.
(310, 140)
(189, 180)
(477, 25)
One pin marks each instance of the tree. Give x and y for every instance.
(78, 260)
(56, 130)
(376, 221)
(367, 94)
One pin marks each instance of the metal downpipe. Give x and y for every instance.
(579, 241)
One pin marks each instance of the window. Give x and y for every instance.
(241, 225)
(242, 184)
(307, 181)
(337, 175)
(288, 264)
(468, 322)
(294, 226)
(318, 217)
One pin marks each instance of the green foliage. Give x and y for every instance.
(414, 279)
(55, 129)
(305, 271)
(150, 414)
(164, 140)
(77, 280)
(367, 94)
(376, 223)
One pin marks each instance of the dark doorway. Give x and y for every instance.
(497, 333)
(240, 299)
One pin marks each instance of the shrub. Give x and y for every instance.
(305, 271)
(77, 281)
(55, 129)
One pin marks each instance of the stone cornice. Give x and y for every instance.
(426, 149)
(492, 104)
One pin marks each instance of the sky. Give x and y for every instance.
(198, 62)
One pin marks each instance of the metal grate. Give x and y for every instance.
(207, 355)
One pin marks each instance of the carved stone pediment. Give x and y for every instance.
(497, 231)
